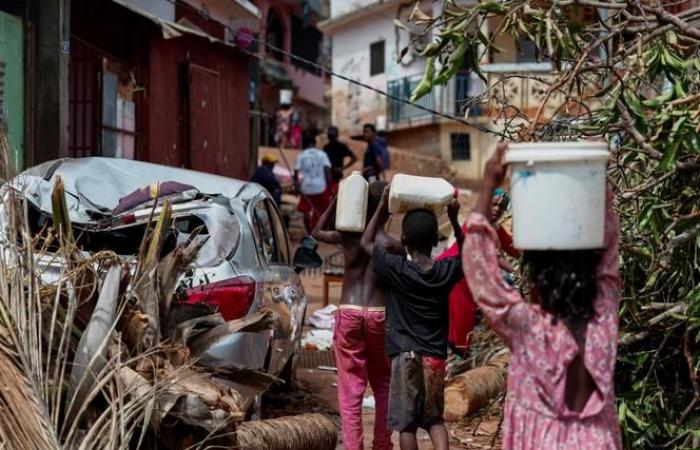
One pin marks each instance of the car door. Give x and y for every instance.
(281, 289)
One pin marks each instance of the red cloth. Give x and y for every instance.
(462, 308)
(315, 205)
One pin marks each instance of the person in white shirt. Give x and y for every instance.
(312, 177)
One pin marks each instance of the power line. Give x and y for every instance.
(330, 72)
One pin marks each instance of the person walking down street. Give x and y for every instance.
(312, 177)
(461, 303)
(337, 153)
(417, 316)
(283, 125)
(359, 332)
(265, 177)
(376, 159)
(563, 341)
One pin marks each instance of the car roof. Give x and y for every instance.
(97, 183)
(114, 178)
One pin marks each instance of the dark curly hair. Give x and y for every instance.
(565, 281)
(420, 228)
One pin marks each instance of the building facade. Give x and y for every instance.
(289, 27)
(367, 46)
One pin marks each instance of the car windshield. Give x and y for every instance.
(213, 223)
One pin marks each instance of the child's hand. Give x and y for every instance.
(384, 200)
(495, 170)
(453, 210)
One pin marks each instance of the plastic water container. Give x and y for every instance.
(410, 192)
(558, 194)
(351, 212)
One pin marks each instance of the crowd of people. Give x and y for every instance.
(317, 172)
(401, 311)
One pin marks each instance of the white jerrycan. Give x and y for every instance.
(410, 192)
(351, 210)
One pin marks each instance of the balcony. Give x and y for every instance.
(454, 99)
(403, 112)
(523, 86)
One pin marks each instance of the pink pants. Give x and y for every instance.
(358, 340)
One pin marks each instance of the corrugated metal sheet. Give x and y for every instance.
(164, 117)
(179, 126)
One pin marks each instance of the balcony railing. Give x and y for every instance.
(523, 86)
(400, 111)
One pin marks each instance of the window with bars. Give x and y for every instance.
(461, 147)
(376, 58)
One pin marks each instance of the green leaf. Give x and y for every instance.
(490, 7)
(426, 83)
(670, 155)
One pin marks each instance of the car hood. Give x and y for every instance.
(94, 184)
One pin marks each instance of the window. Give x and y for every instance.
(461, 149)
(376, 58)
(271, 234)
(306, 43)
(281, 233)
(527, 51)
(266, 238)
(118, 111)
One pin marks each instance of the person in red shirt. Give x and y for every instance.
(462, 309)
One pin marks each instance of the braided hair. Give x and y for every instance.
(565, 282)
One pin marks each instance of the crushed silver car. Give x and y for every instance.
(243, 266)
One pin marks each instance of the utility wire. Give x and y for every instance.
(330, 72)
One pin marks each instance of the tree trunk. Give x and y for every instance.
(471, 390)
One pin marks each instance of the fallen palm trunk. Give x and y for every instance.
(471, 390)
(312, 431)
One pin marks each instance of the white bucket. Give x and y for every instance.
(285, 97)
(558, 191)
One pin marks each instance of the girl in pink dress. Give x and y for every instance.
(563, 342)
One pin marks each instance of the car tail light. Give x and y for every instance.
(232, 298)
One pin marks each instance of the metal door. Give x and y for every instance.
(206, 146)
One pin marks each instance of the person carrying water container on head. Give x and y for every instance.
(359, 332)
(417, 313)
(563, 341)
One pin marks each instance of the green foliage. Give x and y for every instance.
(636, 76)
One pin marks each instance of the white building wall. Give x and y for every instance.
(354, 105)
(340, 7)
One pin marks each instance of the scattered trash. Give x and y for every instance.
(317, 340)
(328, 368)
(323, 318)
(369, 402)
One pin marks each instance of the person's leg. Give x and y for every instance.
(408, 441)
(351, 360)
(379, 374)
(434, 401)
(439, 437)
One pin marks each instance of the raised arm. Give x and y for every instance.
(379, 219)
(453, 214)
(353, 159)
(502, 306)
(327, 236)
(608, 273)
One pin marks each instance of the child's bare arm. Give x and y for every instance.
(453, 214)
(327, 236)
(381, 216)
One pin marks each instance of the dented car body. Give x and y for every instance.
(243, 266)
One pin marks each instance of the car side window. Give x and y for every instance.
(280, 233)
(265, 231)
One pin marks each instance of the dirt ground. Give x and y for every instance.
(316, 390)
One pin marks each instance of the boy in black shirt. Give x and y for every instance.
(416, 320)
